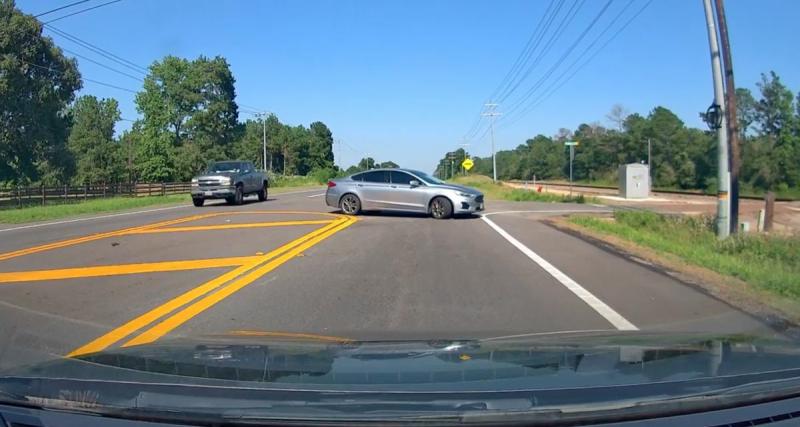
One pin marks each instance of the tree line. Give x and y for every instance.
(188, 117)
(681, 157)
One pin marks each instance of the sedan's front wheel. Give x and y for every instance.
(441, 208)
(350, 204)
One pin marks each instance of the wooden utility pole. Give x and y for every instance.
(730, 113)
(769, 208)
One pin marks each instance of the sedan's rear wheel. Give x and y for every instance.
(262, 194)
(441, 208)
(350, 204)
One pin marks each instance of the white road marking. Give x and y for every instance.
(600, 307)
(551, 211)
(538, 334)
(316, 195)
(68, 221)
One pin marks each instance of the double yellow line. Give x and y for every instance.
(203, 297)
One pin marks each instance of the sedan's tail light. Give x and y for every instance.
(331, 184)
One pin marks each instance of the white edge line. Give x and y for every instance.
(91, 218)
(316, 195)
(592, 301)
(552, 211)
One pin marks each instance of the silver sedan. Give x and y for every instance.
(402, 190)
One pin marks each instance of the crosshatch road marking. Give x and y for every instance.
(98, 236)
(279, 255)
(120, 269)
(229, 226)
(176, 320)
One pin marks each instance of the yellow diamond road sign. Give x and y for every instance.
(467, 164)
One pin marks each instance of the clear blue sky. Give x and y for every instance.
(404, 80)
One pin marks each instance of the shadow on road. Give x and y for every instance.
(221, 203)
(394, 214)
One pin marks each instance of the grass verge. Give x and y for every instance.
(113, 204)
(500, 192)
(44, 213)
(763, 262)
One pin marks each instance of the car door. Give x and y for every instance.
(249, 178)
(402, 195)
(375, 189)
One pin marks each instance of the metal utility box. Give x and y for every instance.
(634, 181)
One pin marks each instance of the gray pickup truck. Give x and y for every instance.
(231, 180)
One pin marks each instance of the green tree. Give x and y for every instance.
(745, 111)
(366, 163)
(320, 150)
(389, 164)
(91, 140)
(778, 125)
(189, 113)
(36, 84)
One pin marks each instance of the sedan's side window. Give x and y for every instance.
(377, 176)
(357, 177)
(401, 178)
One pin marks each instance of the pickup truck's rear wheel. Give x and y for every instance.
(198, 201)
(262, 194)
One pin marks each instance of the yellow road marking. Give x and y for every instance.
(132, 326)
(230, 226)
(132, 230)
(120, 269)
(334, 215)
(151, 316)
(92, 237)
(182, 316)
(315, 337)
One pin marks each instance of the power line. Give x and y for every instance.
(511, 86)
(110, 85)
(83, 10)
(584, 64)
(102, 65)
(519, 64)
(59, 8)
(529, 93)
(544, 29)
(562, 26)
(98, 50)
(83, 78)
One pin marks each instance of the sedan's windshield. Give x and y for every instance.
(222, 167)
(427, 178)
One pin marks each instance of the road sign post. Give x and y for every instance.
(571, 145)
(467, 164)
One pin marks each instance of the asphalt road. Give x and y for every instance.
(292, 265)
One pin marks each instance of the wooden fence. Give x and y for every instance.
(41, 195)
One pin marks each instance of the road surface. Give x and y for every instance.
(292, 265)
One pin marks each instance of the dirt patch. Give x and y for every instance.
(780, 313)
